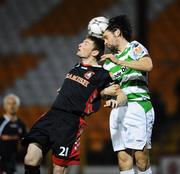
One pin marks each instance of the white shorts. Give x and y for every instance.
(131, 127)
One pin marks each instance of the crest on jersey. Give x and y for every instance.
(89, 74)
(138, 50)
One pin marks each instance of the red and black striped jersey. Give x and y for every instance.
(80, 92)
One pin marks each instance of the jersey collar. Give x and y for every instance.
(6, 117)
(87, 65)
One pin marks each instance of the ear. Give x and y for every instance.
(117, 33)
(95, 53)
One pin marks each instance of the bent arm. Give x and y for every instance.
(121, 99)
(143, 64)
(111, 90)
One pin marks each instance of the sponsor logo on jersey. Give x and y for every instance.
(119, 73)
(89, 74)
(138, 50)
(78, 79)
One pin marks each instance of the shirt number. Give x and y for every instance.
(64, 151)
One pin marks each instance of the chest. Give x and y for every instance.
(84, 77)
(118, 72)
(12, 128)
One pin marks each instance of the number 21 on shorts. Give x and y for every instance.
(64, 151)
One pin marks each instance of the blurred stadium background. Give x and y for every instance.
(38, 41)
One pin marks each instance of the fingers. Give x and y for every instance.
(111, 103)
(114, 104)
(106, 104)
(103, 57)
(106, 56)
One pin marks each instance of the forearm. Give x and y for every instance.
(143, 64)
(103, 93)
(9, 137)
(121, 97)
(110, 91)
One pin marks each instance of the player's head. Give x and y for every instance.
(91, 47)
(119, 28)
(11, 104)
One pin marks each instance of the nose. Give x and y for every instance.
(80, 45)
(105, 42)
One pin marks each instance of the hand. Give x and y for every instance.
(111, 103)
(110, 57)
(111, 90)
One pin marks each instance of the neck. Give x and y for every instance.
(89, 61)
(123, 45)
(12, 117)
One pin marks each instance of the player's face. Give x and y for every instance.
(11, 106)
(110, 40)
(85, 48)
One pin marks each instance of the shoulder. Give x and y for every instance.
(135, 44)
(105, 74)
(137, 50)
(99, 72)
(100, 69)
(76, 66)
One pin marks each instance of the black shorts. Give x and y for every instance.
(60, 131)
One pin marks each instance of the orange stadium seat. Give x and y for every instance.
(15, 66)
(164, 42)
(63, 20)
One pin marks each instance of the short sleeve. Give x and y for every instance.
(137, 50)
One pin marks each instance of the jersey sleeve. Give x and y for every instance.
(138, 51)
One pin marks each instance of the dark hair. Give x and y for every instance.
(98, 45)
(122, 23)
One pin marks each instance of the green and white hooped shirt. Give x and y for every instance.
(134, 83)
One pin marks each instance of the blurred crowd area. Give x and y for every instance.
(39, 39)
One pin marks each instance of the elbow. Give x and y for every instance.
(148, 65)
(149, 68)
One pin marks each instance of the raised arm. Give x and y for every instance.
(142, 64)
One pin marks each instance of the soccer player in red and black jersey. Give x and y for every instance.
(60, 128)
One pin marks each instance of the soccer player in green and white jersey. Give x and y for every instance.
(131, 125)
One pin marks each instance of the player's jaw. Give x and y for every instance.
(81, 53)
(109, 40)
